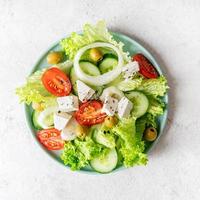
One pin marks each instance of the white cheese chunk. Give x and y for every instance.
(124, 107)
(84, 91)
(61, 119)
(68, 103)
(69, 132)
(130, 69)
(110, 105)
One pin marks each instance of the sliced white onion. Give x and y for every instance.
(101, 79)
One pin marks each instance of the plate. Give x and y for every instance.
(131, 46)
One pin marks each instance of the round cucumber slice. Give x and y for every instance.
(89, 68)
(45, 118)
(110, 55)
(34, 119)
(106, 164)
(140, 103)
(113, 92)
(101, 138)
(108, 64)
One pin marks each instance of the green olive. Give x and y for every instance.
(95, 54)
(110, 121)
(150, 134)
(81, 131)
(54, 57)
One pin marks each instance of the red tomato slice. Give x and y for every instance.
(89, 113)
(51, 139)
(146, 67)
(56, 82)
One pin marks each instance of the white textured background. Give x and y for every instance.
(170, 30)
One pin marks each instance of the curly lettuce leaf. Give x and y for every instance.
(91, 34)
(156, 106)
(132, 146)
(154, 87)
(89, 148)
(73, 157)
(140, 125)
(130, 84)
(78, 153)
(34, 91)
(143, 122)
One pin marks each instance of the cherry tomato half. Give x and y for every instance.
(89, 113)
(56, 82)
(51, 139)
(146, 67)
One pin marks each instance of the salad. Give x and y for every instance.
(94, 103)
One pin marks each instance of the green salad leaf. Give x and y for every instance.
(73, 157)
(130, 84)
(89, 148)
(91, 34)
(156, 106)
(34, 91)
(155, 87)
(140, 125)
(78, 153)
(132, 146)
(145, 121)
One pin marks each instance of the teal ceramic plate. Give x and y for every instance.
(131, 46)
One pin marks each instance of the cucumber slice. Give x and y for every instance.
(108, 63)
(89, 68)
(34, 119)
(44, 119)
(113, 92)
(140, 103)
(74, 78)
(110, 55)
(106, 164)
(104, 138)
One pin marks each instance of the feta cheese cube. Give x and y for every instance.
(110, 105)
(124, 107)
(130, 69)
(68, 103)
(84, 91)
(61, 119)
